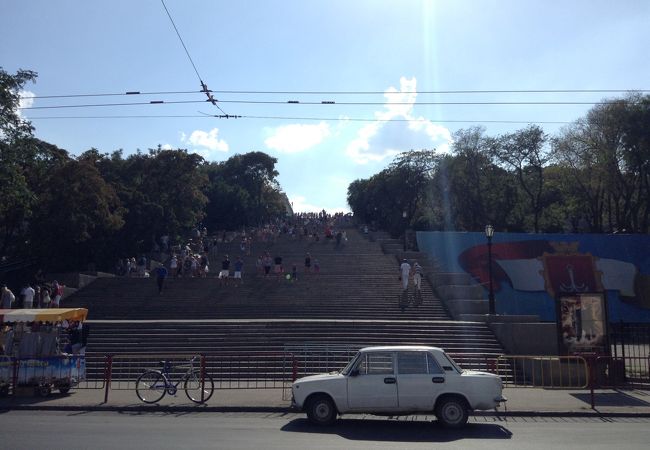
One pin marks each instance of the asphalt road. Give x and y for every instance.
(234, 431)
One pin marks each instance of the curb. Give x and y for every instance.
(286, 410)
(145, 408)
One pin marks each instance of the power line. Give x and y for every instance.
(204, 87)
(324, 102)
(258, 92)
(330, 102)
(342, 119)
(109, 94)
(182, 42)
(97, 105)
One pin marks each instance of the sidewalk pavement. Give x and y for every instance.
(521, 402)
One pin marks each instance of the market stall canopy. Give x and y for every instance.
(43, 315)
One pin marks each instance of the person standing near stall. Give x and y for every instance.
(28, 294)
(8, 297)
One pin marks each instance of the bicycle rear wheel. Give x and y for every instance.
(192, 387)
(151, 386)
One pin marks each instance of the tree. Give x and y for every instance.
(524, 152)
(161, 192)
(253, 172)
(17, 153)
(82, 208)
(608, 152)
(12, 125)
(398, 196)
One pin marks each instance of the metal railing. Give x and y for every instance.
(229, 370)
(314, 358)
(613, 372)
(560, 372)
(273, 370)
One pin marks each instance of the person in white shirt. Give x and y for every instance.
(405, 271)
(28, 297)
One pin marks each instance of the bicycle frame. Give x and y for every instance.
(159, 382)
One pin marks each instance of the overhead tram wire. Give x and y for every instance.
(204, 87)
(341, 119)
(110, 94)
(324, 102)
(259, 92)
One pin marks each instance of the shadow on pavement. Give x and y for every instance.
(611, 399)
(399, 431)
(33, 399)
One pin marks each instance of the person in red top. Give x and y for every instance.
(57, 289)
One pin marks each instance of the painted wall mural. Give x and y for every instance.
(530, 270)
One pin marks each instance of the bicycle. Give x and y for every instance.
(152, 385)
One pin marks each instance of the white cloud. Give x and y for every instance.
(297, 138)
(166, 147)
(26, 101)
(299, 204)
(397, 129)
(205, 142)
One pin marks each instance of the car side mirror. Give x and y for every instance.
(354, 373)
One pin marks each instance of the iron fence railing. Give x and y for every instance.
(560, 372)
(277, 370)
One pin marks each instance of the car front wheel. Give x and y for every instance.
(452, 412)
(321, 410)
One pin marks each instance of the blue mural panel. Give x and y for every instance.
(530, 270)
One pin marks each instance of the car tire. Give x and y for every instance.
(43, 390)
(452, 412)
(321, 410)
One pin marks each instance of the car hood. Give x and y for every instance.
(320, 377)
(476, 373)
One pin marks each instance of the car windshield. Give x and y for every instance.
(349, 365)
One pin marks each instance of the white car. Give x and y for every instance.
(396, 380)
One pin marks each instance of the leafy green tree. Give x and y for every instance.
(607, 153)
(15, 134)
(254, 172)
(524, 152)
(161, 192)
(79, 209)
(12, 125)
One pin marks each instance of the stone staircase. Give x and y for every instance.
(470, 343)
(351, 303)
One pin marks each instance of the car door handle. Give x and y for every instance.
(438, 379)
(390, 380)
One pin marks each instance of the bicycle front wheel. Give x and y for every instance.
(192, 387)
(151, 386)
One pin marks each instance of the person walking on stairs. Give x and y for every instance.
(161, 275)
(405, 271)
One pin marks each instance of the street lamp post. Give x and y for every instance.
(489, 232)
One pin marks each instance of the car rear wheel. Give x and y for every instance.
(321, 410)
(452, 412)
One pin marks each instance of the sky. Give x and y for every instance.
(388, 66)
